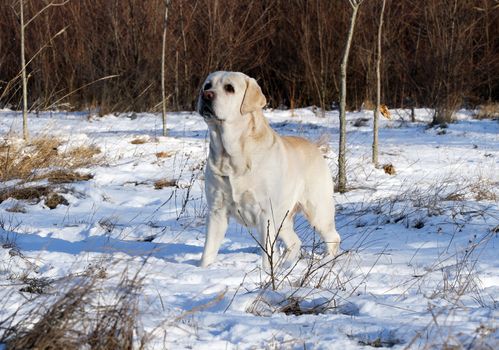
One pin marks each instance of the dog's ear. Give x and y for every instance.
(253, 97)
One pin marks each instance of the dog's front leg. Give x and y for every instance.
(217, 225)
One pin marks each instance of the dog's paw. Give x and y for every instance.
(204, 263)
(333, 248)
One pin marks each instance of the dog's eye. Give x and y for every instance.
(229, 88)
(207, 86)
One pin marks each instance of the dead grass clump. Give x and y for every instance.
(138, 141)
(482, 190)
(66, 176)
(299, 306)
(455, 197)
(18, 161)
(48, 328)
(450, 197)
(487, 111)
(31, 194)
(293, 307)
(82, 155)
(162, 183)
(22, 161)
(385, 112)
(34, 194)
(389, 169)
(368, 104)
(164, 154)
(310, 286)
(54, 199)
(478, 190)
(79, 318)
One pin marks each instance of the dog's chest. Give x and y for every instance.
(241, 200)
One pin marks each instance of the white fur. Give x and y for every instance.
(259, 177)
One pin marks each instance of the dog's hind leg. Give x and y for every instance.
(321, 217)
(291, 240)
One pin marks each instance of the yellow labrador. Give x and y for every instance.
(257, 176)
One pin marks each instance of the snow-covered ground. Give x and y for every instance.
(419, 267)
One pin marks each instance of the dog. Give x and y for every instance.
(258, 177)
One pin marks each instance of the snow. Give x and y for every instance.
(419, 266)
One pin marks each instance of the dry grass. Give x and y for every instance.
(488, 111)
(368, 104)
(165, 154)
(385, 112)
(17, 161)
(35, 161)
(67, 176)
(25, 161)
(83, 154)
(138, 141)
(162, 183)
(30, 194)
(33, 194)
(479, 190)
(293, 292)
(450, 196)
(483, 190)
(55, 199)
(309, 286)
(78, 318)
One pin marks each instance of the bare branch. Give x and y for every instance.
(52, 4)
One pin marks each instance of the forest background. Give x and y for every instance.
(106, 54)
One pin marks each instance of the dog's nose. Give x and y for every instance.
(208, 95)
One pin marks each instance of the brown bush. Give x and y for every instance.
(439, 53)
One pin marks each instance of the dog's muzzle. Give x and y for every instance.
(206, 98)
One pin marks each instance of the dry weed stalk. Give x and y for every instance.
(314, 284)
(459, 279)
(173, 322)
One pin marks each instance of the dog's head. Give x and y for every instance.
(228, 96)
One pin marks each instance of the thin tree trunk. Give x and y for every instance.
(342, 181)
(163, 58)
(177, 82)
(23, 76)
(322, 92)
(184, 41)
(378, 89)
